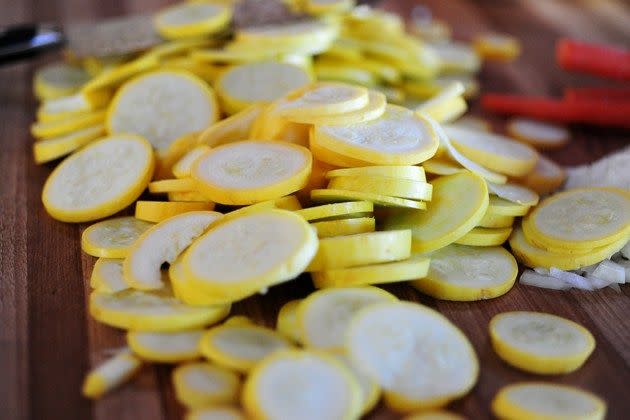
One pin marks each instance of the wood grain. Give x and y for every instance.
(48, 341)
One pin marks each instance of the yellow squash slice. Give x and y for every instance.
(163, 243)
(542, 135)
(251, 171)
(165, 347)
(249, 253)
(283, 386)
(107, 276)
(258, 82)
(152, 311)
(112, 238)
(162, 106)
(323, 316)
(480, 236)
(100, 180)
(431, 364)
(459, 203)
(464, 273)
(540, 343)
(361, 249)
(110, 374)
(341, 227)
(157, 211)
(200, 385)
(398, 137)
(240, 347)
(415, 267)
(190, 20)
(539, 400)
(582, 218)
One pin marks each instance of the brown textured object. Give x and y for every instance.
(249, 13)
(114, 36)
(48, 341)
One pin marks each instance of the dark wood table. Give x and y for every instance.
(48, 342)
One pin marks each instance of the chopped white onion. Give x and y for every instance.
(532, 278)
(575, 280)
(542, 270)
(609, 271)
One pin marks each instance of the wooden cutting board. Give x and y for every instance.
(48, 342)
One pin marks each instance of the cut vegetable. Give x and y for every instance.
(546, 177)
(283, 386)
(187, 196)
(53, 148)
(251, 171)
(258, 82)
(66, 126)
(582, 218)
(58, 80)
(107, 276)
(110, 374)
(413, 173)
(540, 343)
(415, 267)
(496, 221)
(532, 278)
(323, 316)
(215, 413)
(202, 384)
(448, 366)
(480, 236)
(182, 168)
(538, 400)
(323, 99)
(287, 323)
(434, 415)
(533, 256)
(165, 347)
(112, 238)
(185, 291)
(498, 206)
(329, 195)
(497, 46)
(249, 253)
(189, 20)
(158, 211)
(341, 227)
(444, 222)
(402, 188)
(542, 135)
(233, 128)
(445, 142)
(375, 108)
(240, 347)
(175, 151)
(100, 180)
(370, 391)
(335, 210)
(398, 137)
(151, 311)
(361, 249)
(161, 244)
(464, 273)
(171, 185)
(514, 193)
(162, 106)
(442, 167)
(495, 152)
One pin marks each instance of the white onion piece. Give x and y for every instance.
(626, 266)
(609, 271)
(575, 280)
(514, 193)
(463, 160)
(531, 278)
(542, 270)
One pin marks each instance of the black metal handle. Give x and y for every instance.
(27, 40)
